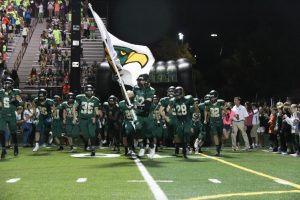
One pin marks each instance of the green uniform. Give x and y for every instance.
(127, 125)
(86, 112)
(57, 124)
(197, 124)
(171, 125)
(72, 130)
(157, 122)
(45, 118)
(112, 122)
(142, 102)
(182, 109)
(215, 116)
(8, 110)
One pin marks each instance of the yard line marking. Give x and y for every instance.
(283, 182)
(158, 181)
(136, 181)
(81, 180)
(164, 181)
(154, 187)
(252, 171)
(218, 196)
(13, 180)
(214, 180)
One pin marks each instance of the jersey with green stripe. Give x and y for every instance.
(140, 95)
(127, 113)
(87, 106)
(215, 110)
(45, 107)
(182, 107)
(8, 101)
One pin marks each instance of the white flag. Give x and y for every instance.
(131, 60)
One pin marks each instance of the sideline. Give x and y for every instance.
(218, 196)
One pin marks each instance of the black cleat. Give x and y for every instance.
(3, 153)
(93, 153)
(16, 150)
(60, 148)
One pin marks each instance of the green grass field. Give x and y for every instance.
(49, 174)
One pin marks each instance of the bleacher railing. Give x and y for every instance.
(24, 46)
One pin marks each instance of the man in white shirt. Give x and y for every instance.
(238, 123)
(255, 123)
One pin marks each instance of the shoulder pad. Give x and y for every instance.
(206, 102)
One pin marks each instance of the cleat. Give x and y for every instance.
(16, 150)
(176, 150)
(142, 152)
(93, 153)
(152, 153)
(3, 153)
(129, 153)
(36, 148)
(60, 148)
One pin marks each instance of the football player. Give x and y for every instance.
(198, 133)
(181, 104)
(44, 106)
(167, 114)
(214, 114)
(111, 113)
(57, 123)
(143, 94)
(88, 109)
(127, 128)
(72, 130)
(10, 99)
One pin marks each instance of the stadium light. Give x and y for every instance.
(180, 36)
(214, 35)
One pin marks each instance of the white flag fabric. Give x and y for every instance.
(131, 60)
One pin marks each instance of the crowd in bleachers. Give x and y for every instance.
(15, 18)
(53, 66)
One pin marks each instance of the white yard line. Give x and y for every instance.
(283, 182)
(13, 180)
(143, 181)
(214, 180)
(81, 180)
(154, 187)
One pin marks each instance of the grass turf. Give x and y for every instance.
(49, 174)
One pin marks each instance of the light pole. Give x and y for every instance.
(214, 35)
(180, 37)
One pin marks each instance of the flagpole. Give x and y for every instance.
(115, 69)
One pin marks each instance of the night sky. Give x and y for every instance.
(263, 33)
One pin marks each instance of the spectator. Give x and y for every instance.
(255, 125)
(248, 123)
(278, 127)
(238, 123)
(263, 121)
(25, 32)
(56, 9)
(227, 121)
(50, 8)
(286, 129)
(41, 12)
(15, 77)
(32, 77)
(293, 121)
(272, 133)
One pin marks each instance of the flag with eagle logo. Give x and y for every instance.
(129, 59)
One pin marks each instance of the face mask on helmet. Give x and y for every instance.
(155, 100)
(89, 91)
(170, 91)
(42, 96)
(178, 93)
(7, 85)
(112, 100)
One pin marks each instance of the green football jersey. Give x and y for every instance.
(112, 113)
(182, 107)
(45, 107)
(58, 112)
(215, 110)
(8, 101)
(140, 95)
(68, 108)
(87, 106)
(154, 113)
(127, 113)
